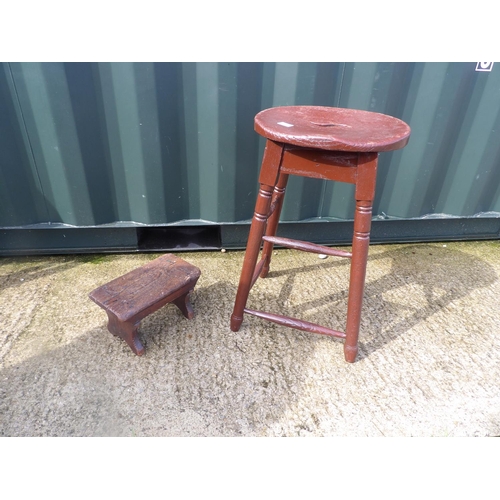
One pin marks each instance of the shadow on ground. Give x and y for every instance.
(423, 279)
(198, 378)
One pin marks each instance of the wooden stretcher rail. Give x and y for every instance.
(298, 324)
(306, 246)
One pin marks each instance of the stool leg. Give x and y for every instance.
(360, 245)
(184, 305)
(252, 253)
(272, 223)
(126, 330)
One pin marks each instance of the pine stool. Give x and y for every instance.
(324, 143)
(128, 299)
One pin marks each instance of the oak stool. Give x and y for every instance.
(130, 298)
(334, 144)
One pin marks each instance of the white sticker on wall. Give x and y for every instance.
(484, 66)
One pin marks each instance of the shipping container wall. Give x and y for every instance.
(117, 144)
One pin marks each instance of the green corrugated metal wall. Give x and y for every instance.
(126, 144)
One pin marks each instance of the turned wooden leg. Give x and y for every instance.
(272, 223)
(184, 305)
(126, 330)
(360, 245)
(252, 253)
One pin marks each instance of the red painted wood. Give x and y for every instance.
(272, 222)
(320, 164)
(333, 129)
(257, 271)
(252, 253)
(130, 298)
(305, 246)
(272, 160)
(324, 143)
(360, 244)
(298, 324)
(367, 176)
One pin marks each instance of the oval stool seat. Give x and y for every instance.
(332, 144)
(332, 129)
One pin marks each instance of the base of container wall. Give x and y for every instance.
(382, 231)
(109, 239)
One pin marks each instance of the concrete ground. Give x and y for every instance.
(429, 362)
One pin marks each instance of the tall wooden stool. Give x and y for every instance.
(324, 143)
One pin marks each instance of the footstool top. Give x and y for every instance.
(145, 286)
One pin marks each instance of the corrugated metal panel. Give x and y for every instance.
(87, 144)
(21, 199)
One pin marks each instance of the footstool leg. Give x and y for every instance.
(184, 305)
(127, 331)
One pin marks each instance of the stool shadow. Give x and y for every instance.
(198, 378)
(436, 274)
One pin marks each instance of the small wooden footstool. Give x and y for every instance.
(130, 298)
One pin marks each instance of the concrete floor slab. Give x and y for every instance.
(429, 362)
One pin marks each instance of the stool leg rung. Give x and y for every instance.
(305, 246)
(298, 324)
